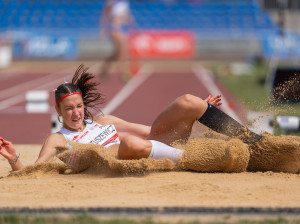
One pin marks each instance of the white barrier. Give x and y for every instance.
(5, 56)
(288, 123)
(37, 101)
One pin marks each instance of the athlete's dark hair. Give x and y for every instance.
(82, 83)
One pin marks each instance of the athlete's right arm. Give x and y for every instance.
(8, 151)
(48, 151)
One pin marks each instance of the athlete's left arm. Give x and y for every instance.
(123, 127)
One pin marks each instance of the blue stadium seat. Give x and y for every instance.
(244, 16)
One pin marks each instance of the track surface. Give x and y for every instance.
(140, 100)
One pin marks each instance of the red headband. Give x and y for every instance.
(69, 94)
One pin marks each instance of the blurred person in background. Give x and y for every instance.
(116, 22)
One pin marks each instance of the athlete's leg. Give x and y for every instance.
(222, 123)
(114, 57)
(124, 57)
(132, 147)
(176, 121)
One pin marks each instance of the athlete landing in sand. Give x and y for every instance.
(128, 140)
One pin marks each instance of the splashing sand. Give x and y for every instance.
(95, 160)
(288, 91)
(215, 155)
(276, 153)
(205, 154)
(201, 154)
(42, 169)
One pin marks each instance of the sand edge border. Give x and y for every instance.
(157, 210)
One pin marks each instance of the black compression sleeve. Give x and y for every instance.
(220, 122)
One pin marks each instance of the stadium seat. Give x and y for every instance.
(243, 16)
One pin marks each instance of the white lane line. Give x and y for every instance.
(9, 75)
(128, 89)
(47, 82)
(206, 78)
(21, 97)
(10, 92)
(12, 101)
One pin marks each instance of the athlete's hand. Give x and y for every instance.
(214, 100)
(7, 150)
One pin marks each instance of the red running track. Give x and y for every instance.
(140, 100)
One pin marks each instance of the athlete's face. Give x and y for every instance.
(71, 109)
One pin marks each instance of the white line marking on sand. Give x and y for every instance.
(128, 89)
(206, 78)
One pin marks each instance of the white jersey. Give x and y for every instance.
(94, 133)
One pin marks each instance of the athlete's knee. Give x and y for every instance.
(129, 142)
(132, 147)
(191, 103)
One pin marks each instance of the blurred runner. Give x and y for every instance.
(116, 22)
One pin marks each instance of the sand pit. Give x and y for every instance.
(146, 183)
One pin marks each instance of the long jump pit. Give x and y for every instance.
(216, 178)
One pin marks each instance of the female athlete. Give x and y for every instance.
(127, 140)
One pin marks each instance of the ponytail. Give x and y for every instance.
(82, 83)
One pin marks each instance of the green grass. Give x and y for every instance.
(247, 90)
(89, 219)
(251, 91)
(250, 88)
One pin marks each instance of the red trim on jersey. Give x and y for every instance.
(114, 137)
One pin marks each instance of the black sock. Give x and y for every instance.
(220, 122)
